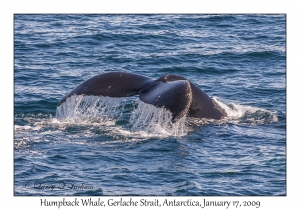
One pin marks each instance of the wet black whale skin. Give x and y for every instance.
(175, 93)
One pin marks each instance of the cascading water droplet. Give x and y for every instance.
(145, 118)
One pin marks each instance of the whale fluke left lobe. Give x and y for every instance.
(113, 84)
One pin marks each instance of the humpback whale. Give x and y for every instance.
(172, 92)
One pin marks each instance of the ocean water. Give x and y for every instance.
(94, 146)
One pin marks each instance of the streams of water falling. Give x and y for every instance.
(90, 108)
(145, 117)
(149, 119)
(153, 120)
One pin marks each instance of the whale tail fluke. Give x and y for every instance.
(172, 92)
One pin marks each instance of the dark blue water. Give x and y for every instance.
(240, 60)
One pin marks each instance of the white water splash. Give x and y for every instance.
(151, 119)
(237, 113)
(90, 109)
